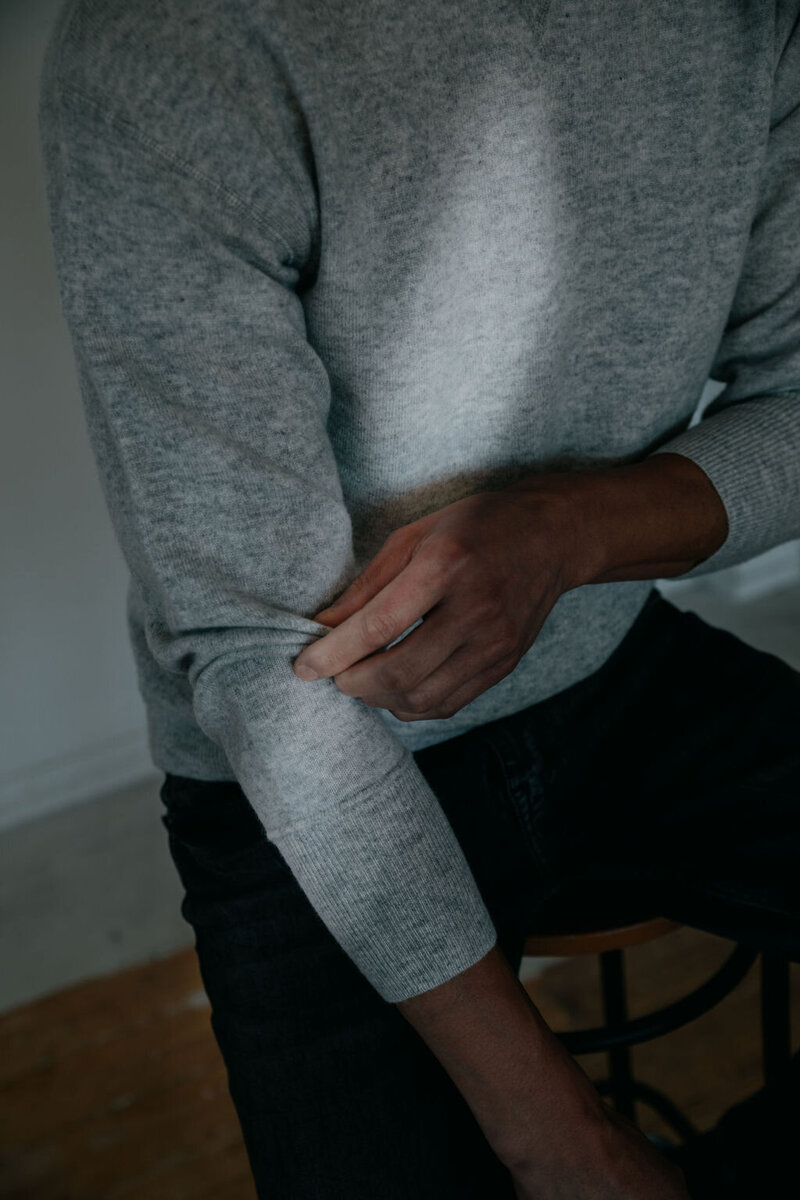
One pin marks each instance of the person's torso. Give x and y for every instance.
(532, 219)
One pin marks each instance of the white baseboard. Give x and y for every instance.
(58, 783)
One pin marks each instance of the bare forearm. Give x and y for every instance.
(655, 518)
(506, 1062)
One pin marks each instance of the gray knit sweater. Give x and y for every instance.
(331, 265)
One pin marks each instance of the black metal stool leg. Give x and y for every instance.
(776, 1034)
(615, 1012)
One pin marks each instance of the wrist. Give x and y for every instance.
(645, 520)
(655, 518)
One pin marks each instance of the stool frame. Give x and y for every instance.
(619, 1032)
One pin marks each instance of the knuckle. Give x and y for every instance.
(416, 702)
(379, 627)
(506, 638)
(397, 535)
(504, 667)
(452, 553)
(393, 678)
(506, 648)
(490, 608)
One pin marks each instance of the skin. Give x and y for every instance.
(484, 573)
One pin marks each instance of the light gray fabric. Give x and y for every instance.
(328, 267)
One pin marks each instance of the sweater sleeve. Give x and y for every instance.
(748, 438)
(206, 409)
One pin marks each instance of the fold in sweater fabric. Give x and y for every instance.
(328, 267)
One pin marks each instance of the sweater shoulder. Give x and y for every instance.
(208, 82)
(127, 52)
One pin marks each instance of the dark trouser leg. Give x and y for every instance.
(337, 1095)
(674, 773)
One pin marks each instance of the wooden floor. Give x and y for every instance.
(115, 1088)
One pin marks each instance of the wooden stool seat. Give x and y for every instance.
(596, 941)
(605, 922)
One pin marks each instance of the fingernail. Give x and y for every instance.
(305, 673)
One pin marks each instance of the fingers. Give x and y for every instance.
(397, 606)
(384, 678)
(436, 699)
(393, 556)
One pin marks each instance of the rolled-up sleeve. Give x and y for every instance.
(180, 268)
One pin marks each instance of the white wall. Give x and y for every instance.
(71, 720)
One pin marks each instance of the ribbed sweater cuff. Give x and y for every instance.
(403, 904)
(750, 452)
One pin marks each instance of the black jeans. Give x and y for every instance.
(666, 782)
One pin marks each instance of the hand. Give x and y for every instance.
(483, 574)
(620, 1163)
